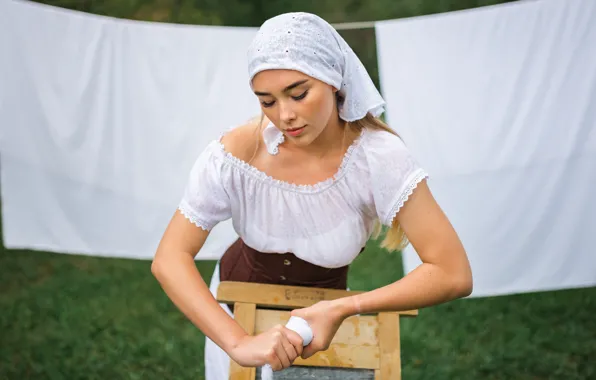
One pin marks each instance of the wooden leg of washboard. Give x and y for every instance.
(244, 314)
(389, 338)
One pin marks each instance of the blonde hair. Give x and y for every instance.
(395, 238)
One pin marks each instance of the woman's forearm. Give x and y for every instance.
(427, 285)
(182, 282)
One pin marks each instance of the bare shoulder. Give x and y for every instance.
(242, 141)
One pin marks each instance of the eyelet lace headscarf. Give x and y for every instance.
(305, 42)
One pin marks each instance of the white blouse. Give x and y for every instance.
(326, 224)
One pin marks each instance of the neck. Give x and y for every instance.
(330, 140)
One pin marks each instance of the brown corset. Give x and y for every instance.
(245, 264)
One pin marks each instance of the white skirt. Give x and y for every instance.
(217, 361)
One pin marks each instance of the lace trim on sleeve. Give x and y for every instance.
(193, 219)
(405, 196)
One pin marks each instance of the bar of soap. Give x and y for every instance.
(301, 327)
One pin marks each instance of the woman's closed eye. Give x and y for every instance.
(301, 96)
(297, 98)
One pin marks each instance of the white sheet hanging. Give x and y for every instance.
(499, 104)
(101, 120)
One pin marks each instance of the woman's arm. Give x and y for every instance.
(175, 269)
(444, 275)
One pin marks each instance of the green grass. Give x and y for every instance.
(78, 317)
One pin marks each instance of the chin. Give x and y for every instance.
(304, 139)
(300, 141)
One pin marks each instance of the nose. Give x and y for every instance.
(286, 113)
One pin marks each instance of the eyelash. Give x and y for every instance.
(297, 98)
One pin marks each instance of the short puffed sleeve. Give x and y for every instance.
(394, 174)
(205, 201)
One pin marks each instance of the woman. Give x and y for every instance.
(305, 186)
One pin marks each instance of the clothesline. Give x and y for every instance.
(354, 25)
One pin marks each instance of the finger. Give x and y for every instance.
(311, 350)
(307, 352)
(297, 313)
(290, 351)
(284, 360)
(273, 360)
(280, 349)
(295, 339)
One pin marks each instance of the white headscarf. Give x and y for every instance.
(305, 42)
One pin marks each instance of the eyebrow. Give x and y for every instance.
(293, 85)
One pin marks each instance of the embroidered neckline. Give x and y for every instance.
(299, 188)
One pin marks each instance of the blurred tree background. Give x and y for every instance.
(254, 12)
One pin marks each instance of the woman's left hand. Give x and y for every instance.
(324, 319)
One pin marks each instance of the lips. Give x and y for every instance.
(295, 131)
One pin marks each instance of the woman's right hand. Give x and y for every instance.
(278, 347)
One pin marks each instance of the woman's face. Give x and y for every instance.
(299, 105)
